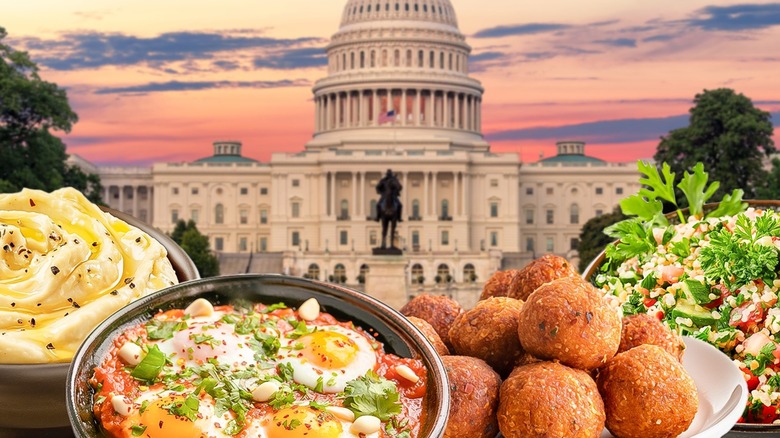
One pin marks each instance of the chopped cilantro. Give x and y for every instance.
(157, 329)
(150, 365)
(372, 395)
(272, 307)
(137, 430)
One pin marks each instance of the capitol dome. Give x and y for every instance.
(398, 69)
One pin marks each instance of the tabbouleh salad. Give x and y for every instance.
(712, 275)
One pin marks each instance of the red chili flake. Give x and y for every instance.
(50, 346)
(32, 203)
(55, 270)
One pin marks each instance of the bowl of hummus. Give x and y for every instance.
(65, 266)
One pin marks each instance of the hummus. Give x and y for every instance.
(65, 266)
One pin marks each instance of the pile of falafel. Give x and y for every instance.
(570, 364)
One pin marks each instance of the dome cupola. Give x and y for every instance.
(437, 11)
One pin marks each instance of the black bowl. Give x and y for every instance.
(740, 430)
(397, 334)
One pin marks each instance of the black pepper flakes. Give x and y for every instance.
(132, 285)
(129, 280)
(55, 270)
(38, 305)
(32, 322)
(32, 203)
(50, 346)
(76, 305)
(94, 243)
(114, 292)
(137, 240)
(76, 241)
(70, 300)
(588, 316)
(13, 304)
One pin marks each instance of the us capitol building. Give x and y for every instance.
(398, 96)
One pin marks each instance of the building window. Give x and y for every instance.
(599, 212)
(550, 190)
(550, 216)
(493, 183)
(529, 244)
(372, 213)
(219, 214)
(344, 209)
(175, 190)
(445, 237)
(445, 209)
(550, 244)
(618, 190)
(529, 216)
(263, 244)
(219, 243)
(174, 216)
(194, 190)
(443, 273)
(415, 208)
(242, 244)
(599, 190)
(372, 239)
(343, 237)
(529, 190)
(143, 215)
(263, 190)
(417, 274)
(494, 209)
(339, 273)
(296, 183)
(574, 214)
(219, 191)
(494, 238)
(295, 239)
(194, 213)
(469, 273)
(574, 243)
(416, 240)
(243, 216)
(295, 209)
(313, 272)
(244, 191)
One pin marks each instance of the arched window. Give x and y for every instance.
(420, 58)
(397, 58)
(364, 269)
(343, 61)
(469, 273)
(443, 274)
(441, 60)
(339, 274)
(445, 208)
(362, 59)
(219, 214)
(368, 9)
(407, 7)
(415, 208)
(408, 58)
(352, 60)
(397, 6)
(450, 62)
(417, 274)
(344, 209)
(432, 61)
(313, 272)
(384, 58)
(574, 214)
(373, 59)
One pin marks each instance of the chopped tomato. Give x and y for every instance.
(670, 274)
(747, 316)
(721, 290)
(649, 301)
(750, 379)
(765, 415)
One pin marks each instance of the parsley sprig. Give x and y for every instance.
(372, 395)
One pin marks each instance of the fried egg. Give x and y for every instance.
(302, 422)
(152, 414)
(206, 338)
(328, 358)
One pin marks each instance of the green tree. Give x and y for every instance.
(196, 245)
(592, 237)
(771, 190)
(726, 133)
(30, 108)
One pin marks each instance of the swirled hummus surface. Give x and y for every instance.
(65, 266)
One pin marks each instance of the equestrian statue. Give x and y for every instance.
(389, 207)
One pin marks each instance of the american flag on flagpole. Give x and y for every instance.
(387, 117)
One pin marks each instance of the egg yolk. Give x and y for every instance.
(328, 349)
(303, 422)
(160, 423)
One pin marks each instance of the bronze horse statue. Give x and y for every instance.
(389, 207)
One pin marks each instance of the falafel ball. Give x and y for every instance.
(643, 329)
(489, 332)
(546, 268)
(547, 399)
(498, 284)
(647, 393)
(567, 319)
(473, 398)
(430, 334)
(440, 311)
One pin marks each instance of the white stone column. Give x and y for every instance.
(348, 104)
(332, 200)
(375, 118)
(455, 195)
(429, 108)
(328, 112)
(435, 183)
(446, 113)
(467, 124)
(404, 108)
(416, 109)
(135, 201)
(479, 115)
(426, 198)
(121, 198)
(362, 195)
(464, 191)
(338, 110)
(353, 210)
(456, 108)
(324, 197)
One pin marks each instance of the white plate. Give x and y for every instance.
(722, 390)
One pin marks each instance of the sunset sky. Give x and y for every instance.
(161, 80)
